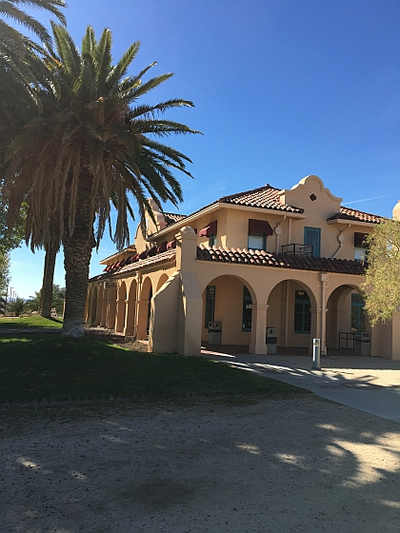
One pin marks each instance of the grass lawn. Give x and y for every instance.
(46, 366)
(34, 321)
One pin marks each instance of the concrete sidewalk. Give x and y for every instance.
(370, 384)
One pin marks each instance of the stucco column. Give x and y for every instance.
(316, 314)
(324, 280)
(258, 343)
(189, 325)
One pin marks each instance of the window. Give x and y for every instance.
(257, 242)
(210, 231)
(312, 236)
(302, 313)
(246, 320)
(360, 246)
(357, 313)
(210, 305)
(212, 241)
(258, 231)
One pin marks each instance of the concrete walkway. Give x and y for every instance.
(370, 384)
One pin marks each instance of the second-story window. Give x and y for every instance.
(257, 234)
(312, 236)
(360, 246)
(210, 231)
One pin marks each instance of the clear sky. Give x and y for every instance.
(282, 89)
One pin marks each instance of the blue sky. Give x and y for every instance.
(282, 89)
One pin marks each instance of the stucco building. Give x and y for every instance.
(291, 259)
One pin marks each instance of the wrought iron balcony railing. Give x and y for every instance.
(301, 250)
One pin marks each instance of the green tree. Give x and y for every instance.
(94, 145)
(4, 273)
(382, 281)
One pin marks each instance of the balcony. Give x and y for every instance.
(301, 250)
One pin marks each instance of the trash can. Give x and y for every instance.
(271, 341)
(362, 343)
(214, 332)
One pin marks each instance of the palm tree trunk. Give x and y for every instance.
(77, 253)
(46, 297)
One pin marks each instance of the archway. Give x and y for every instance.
(161, 281)
(345, 317)
(292, 312)
(121, 307)
(144, 309)
(99, 305)
(228, 301)
(131, 310)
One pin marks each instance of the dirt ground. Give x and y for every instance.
(302, 465)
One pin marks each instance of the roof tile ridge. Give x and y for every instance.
(267, 186)
(359, 211)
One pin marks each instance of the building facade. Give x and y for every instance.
(290, 259)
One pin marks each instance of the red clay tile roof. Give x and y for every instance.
(137, 264)
(346, 213)
(164, 257)
(266, 197)
(271, 259)
(171, 218)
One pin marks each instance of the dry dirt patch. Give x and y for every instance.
(303, 465)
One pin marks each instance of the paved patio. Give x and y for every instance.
(370, 384)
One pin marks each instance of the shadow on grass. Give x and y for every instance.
(46, 366)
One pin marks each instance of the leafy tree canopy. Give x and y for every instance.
(382, 282)
(4, 273)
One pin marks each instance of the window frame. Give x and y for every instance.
(308, 231)
(246, 311)
(209, 310)
(305, 313)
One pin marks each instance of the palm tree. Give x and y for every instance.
(94, 145)
(18, 61)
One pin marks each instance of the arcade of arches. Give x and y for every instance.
(171, 303)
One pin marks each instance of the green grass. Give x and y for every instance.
(46, 366)
(34, 321)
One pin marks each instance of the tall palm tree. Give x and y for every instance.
(95, 144)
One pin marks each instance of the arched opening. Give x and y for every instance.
(99, 305)
(345, 317)
(291, 312)
(161, 281)
(227, 312)
(131, 311)
(144, 309)
(121, 308)
(111, 304)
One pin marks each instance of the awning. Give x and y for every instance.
(259, 227)
(162, 247)
(359, 239)
(209, 231)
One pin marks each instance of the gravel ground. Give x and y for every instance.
(302, 465)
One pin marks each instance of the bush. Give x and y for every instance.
(16, 306)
